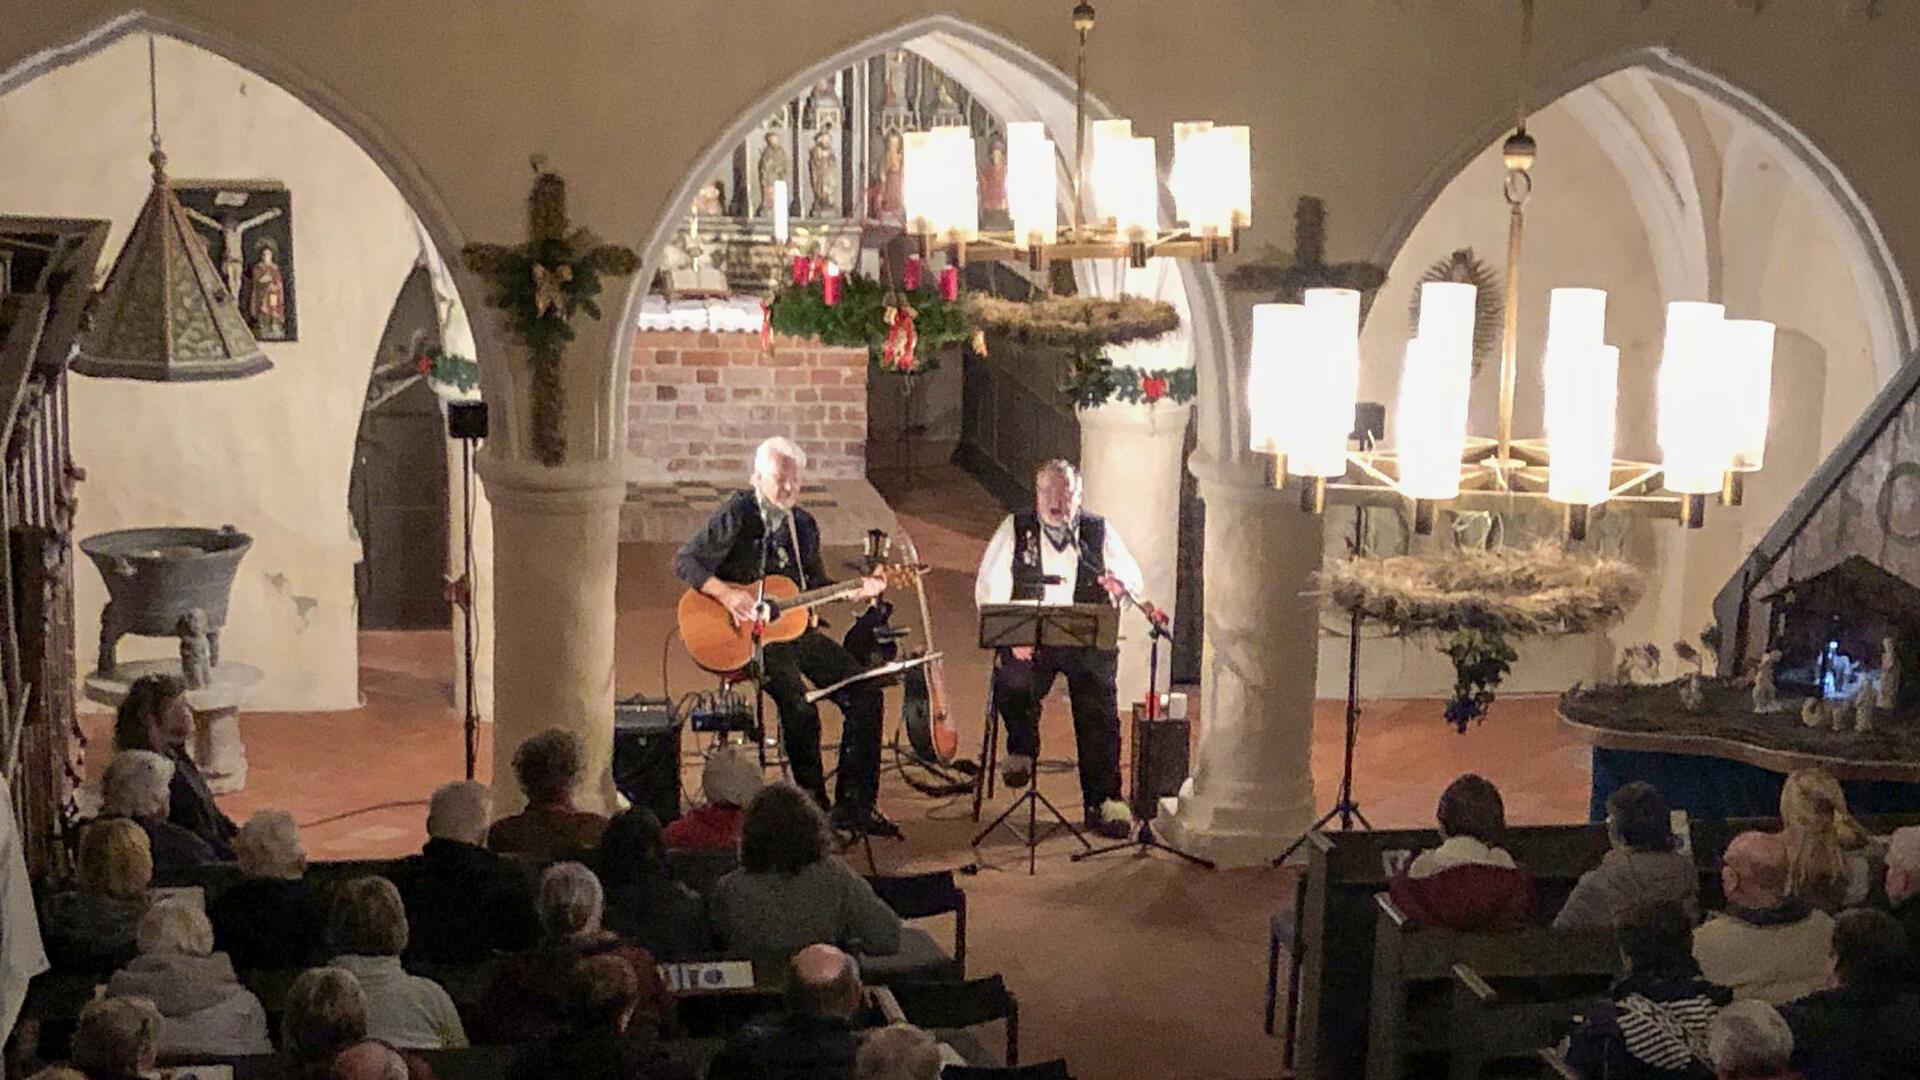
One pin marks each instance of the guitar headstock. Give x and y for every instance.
(900, 575)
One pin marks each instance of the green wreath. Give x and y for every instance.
(858, 320)
(1093, 380)
(449, 369)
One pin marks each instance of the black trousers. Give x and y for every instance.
(824, 661)
(1018, 686)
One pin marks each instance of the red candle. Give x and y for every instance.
(910, 277)
(802, 270)
(950, 283)
(830, 285)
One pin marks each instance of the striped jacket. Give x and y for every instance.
(1653, 1028)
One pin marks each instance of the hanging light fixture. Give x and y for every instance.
(1115, 187)
(1714, 387)
(165, 313)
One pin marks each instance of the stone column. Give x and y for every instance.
(1252, 786)
(556, 540)
(1130, 460)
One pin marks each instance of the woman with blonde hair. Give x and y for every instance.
(92, 927)
(1830, 857)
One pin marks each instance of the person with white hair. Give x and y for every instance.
(138, 786)
(759, 531)
(203, 1007)
(1903, 881)
(1749, 1040)
(898, 1052)
(728, 781)
(1056, 554)
(464, 902)
(273, 917)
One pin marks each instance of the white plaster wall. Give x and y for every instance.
(271, 454)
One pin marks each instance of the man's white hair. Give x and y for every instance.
(136, 785)
(731, 776)
(268, 846)
(459, 811)
(1060, 467)
(779, 446)
(1749, 1038)
(175, 926)
(1903, 850)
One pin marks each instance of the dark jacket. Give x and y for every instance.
(730, 547)
(271, 923)
(1908, 912)
(1855, 1033)
(601, 1052)
(1654, 1027)
(464, 903)
(547, 832)
(190, 805)
(175, 848)
(526, 999)
(789, 1047)
(89, 932)
(658, 913)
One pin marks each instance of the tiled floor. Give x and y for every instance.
(1129, 966)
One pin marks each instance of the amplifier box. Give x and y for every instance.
(1159, 761)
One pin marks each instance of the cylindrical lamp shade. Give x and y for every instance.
(1749, 350)
(1583, 385)
(1032, 184)
(1576, 319)
(1103, 135)
(1280, 336)
(1325, 379)
(1695, 407)
(959, 183)
(1130, 195)
(1431, 429)
(1198, 179)
(1447, 315)
(1235, 146)
(918, 191)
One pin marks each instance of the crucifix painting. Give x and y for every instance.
(248, 227)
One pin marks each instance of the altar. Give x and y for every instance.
(1727, 761)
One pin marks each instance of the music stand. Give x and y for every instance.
(1032, 624)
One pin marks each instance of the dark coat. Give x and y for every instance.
(1856, 1033)
(175, 848)
(661, 915)
(1654, 1027)
(190, 805)
(271, 923)
(597, 1053)
(789, 1047)
(526, 998)
(464, 903)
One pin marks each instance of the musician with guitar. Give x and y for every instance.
(760, 535)
(1058, 553)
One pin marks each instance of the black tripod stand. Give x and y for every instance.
(1345, 807)
(1031, 798)
(467, 422)
(1143, 838)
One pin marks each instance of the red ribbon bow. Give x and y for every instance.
(902, 338)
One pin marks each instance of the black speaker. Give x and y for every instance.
(1159, 762)
(646, 755)
(467, 419)
(1369, 422)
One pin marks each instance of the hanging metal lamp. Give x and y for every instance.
(165, 313)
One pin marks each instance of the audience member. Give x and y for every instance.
(326, 1012)
(597, 1041)
(1642, 867)
(1749, 1041)
(1654, 1026)
(155, 716)
(117, 1039)
(58, 1072)
(790, 892)
(898, 1052)
(136, 787)
(203, 1007)
(273, 917)
(645, 904)
(1830, 857)
(1766, 945)
(367, 930)
(464, 903)
(371, 1059)
(1903, 882)
(1469, 882)
(813, 1037)
(728, 781)
(527, 999)
(93, 927)
(548, 767)
(1868, 1026)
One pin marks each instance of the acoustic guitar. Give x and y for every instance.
(719, 644)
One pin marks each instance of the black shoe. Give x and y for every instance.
(855, 819)
(1107, 828)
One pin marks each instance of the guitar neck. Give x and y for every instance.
(826, 594)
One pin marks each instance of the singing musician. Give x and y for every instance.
(1060, 553)
(759, 531)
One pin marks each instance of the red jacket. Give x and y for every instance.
(1463, 885)
(715, 827)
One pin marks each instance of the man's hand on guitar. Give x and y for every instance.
(872, 585)
(742, 605)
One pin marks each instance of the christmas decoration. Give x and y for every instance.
(1095, 381)
(866, 314)
(1074, 323)
(540, 286)
(448, 369)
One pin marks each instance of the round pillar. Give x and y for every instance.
(1251, 790)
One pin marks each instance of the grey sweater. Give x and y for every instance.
(768, 917)
(1625, 879)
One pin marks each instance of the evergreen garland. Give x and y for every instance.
(859, 319)
(449, 369)
(1093, 380)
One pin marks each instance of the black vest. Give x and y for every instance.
(1028, 538)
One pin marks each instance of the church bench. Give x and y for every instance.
(698, 870)
(1435, 994)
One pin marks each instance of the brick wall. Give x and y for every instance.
(699, 402)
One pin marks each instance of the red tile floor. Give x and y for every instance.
(1128, 966)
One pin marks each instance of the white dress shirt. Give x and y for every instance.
(994, 583)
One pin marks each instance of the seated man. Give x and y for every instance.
(464, 903)
(1654, 1025)
(1749, 1041)
(548, 767)
(1867, 1027)
(1903, 884)
(1766, 945)
(1643, 866)
(1469, 882)
(813, 1037)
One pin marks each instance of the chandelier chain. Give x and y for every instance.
(153, 96)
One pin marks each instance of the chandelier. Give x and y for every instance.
(1713, 387)
(1115, 185)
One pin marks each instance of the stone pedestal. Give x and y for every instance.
(556, 540)
(216, 745)
(1130, 460)
(1252, 786)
